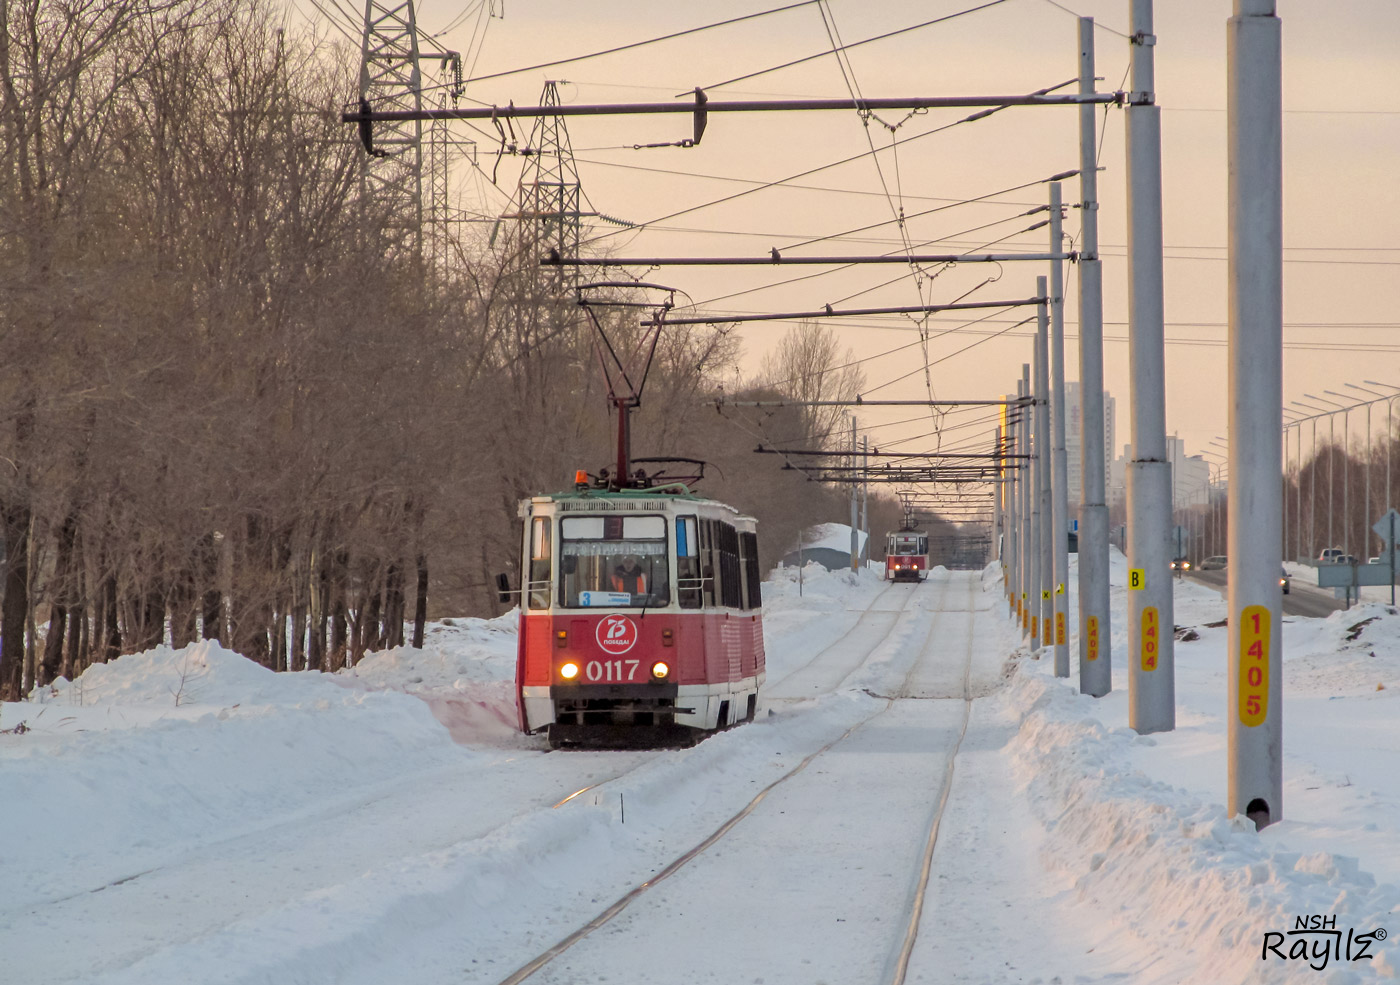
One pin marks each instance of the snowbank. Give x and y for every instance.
(1138, 823)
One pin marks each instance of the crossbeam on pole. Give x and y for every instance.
(829, 312)
(705, 106)
(856, 402)
(778, 259)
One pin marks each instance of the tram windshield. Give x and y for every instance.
(613, 561)
(905, 544)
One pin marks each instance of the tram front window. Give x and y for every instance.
(614, 561)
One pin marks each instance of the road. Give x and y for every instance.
(1302, 599)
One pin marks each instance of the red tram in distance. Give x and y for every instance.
(641, 617)
(906, 556)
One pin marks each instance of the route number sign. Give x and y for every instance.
(1150, 641)
(1256, 623)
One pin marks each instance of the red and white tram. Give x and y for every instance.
(641, 616)
(906, 556)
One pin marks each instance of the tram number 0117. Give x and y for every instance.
(611, 670)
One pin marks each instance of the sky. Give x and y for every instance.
(1341, 191)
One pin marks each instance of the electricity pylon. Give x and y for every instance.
(414, 181)
(550, 194)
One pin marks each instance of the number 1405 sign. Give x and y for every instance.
(1256, 623)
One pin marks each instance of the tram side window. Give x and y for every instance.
(688, 583)
(708, 568)
(731, 589)
(540, 554)
(752, 574)
(614, 561)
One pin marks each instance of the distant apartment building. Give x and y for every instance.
(1190, 476)
(1074, 418)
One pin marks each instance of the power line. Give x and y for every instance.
(983, 114)
(854, 44)
(639, 44)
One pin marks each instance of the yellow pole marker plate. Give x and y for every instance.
(1137, 578)
(1060, 628)
(1256, 624)
(1150, 642)
(1091, 638)
(1045, 594)
(1060, 588)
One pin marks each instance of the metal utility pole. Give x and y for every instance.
(1059, 523)
(1151, 673)
(865, 497)
(855, 496)
(1045, 465)
(1256, 398)
(1095, 657)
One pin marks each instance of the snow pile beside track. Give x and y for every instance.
(1179, 874)
(465, 672)
(116, 777)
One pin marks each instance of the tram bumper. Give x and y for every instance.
(618, 715)
(616, 704)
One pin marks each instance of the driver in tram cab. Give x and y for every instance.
(628, 576)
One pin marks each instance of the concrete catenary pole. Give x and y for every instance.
(1037, 514)
(1059, 524)
(1095, 657)
(1047, 459)
(1014, 508)
(1027, 544)
(1256, 401)
(1151, 671)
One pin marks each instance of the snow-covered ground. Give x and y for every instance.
(189, 817)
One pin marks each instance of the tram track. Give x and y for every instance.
(900, 969)
(897, 965)
(859, 625)
(871, 616)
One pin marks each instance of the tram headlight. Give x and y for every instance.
(568, 671)
(659, 669)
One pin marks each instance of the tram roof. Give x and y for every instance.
(659, 498)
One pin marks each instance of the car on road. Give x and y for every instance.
(1330, 555)
(1285, 582)
(1214, 563)
(1180, 564)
